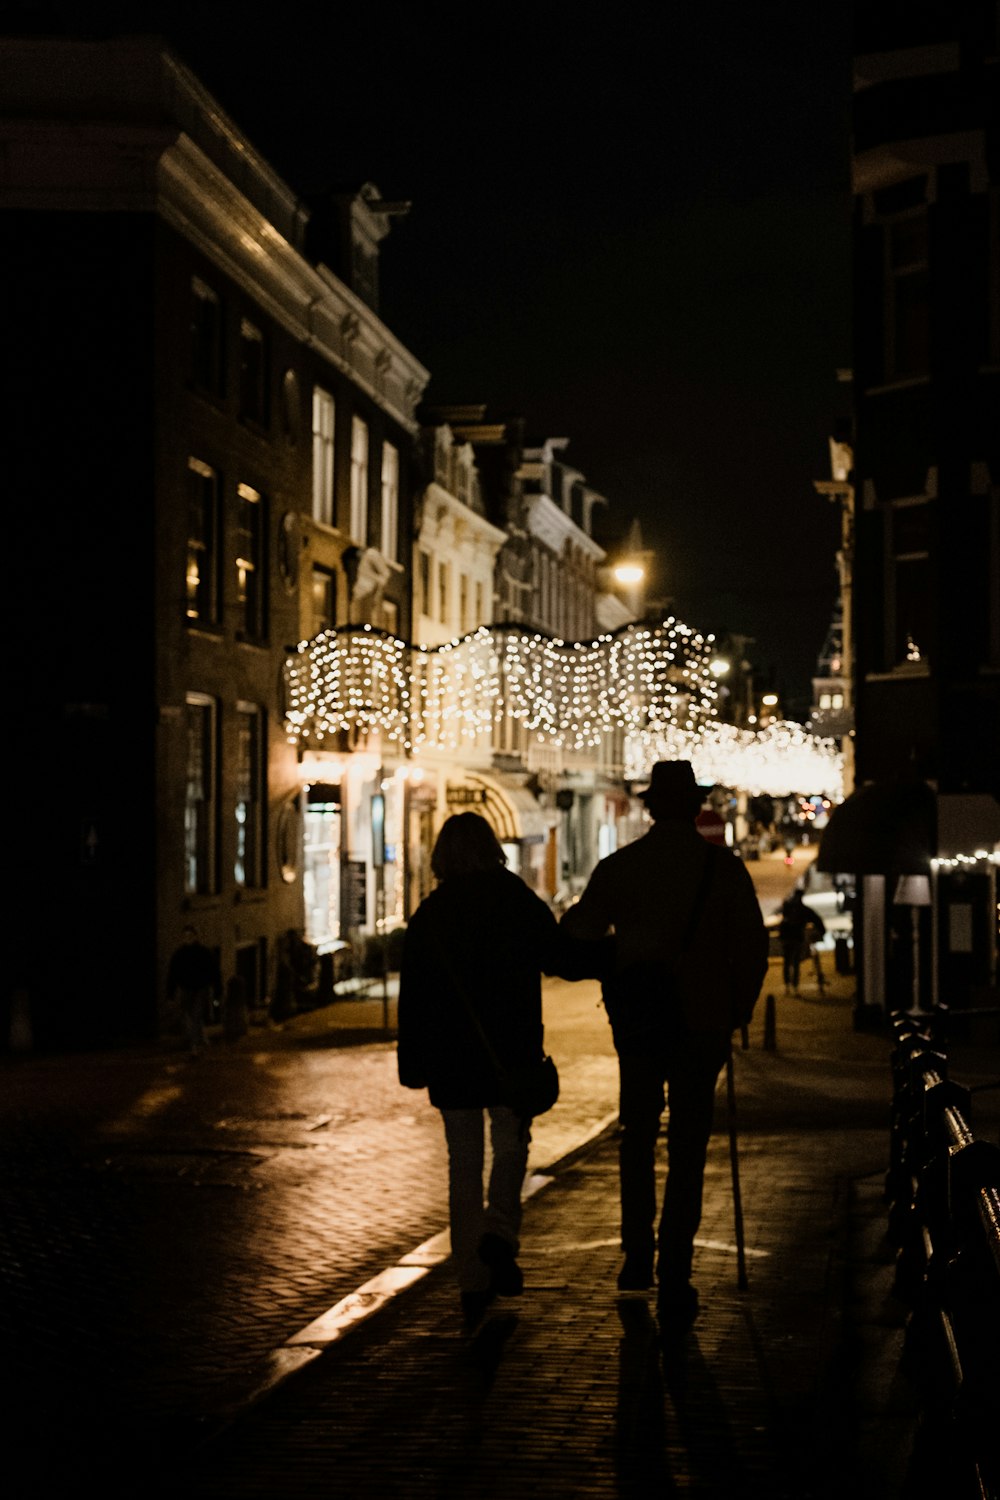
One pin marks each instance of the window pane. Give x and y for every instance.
(359, 482)
(199, 797)
(202, 547)
(253, 373)
(249, 562)
(206, 338)
(248, 869)
(324, 601)
(390, 499)
(324, 414)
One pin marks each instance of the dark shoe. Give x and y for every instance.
(506, 1276)
(475, 1305)
(636, 1274)
(677, 1307)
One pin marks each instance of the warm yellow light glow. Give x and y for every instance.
(720, 666)
(769, 700)
(652, 684)
(629, 573)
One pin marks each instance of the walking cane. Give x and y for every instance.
(741, 1257)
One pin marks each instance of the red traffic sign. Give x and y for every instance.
(711, 826)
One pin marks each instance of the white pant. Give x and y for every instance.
(510, 1136)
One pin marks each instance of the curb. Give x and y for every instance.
(355, 1310)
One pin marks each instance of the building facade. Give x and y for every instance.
(220, 433)
(926, 497)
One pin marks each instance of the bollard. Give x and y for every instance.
(770, 1026)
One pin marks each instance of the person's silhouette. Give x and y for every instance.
(690, 955)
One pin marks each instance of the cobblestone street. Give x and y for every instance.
(160, 1215)
(169, 1225)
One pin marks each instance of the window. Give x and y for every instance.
(390, 499)
(463, 603)
(907, 309)
(359, 481)
(390, 616)
(253, 373)
(442, 609)
(324, 601)
(291, 407)
(250, 782)
(202, 578)
(424, 580)
(909, 592)
(324, 414)
(206, 350)
(250, 572)
(200, 799)
(480, 617)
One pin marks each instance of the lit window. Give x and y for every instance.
(359, 482)
(390, 499)
(200, 795)
(324, 416)
(202, 568)
(250, 575)
(324, 601)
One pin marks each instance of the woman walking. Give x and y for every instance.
(470, 998)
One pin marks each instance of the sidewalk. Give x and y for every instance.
(785, 1390)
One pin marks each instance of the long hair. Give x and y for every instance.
(466, 845)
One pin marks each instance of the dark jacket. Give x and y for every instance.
(796, 916)
(194, 967)
(490, 938)
(645, 893)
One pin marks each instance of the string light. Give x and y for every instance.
(654, 683)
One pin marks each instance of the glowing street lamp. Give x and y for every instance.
(629, 573)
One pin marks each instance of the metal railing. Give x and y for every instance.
(943, 1196)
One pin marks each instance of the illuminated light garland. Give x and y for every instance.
(654, 683)
(966, 861)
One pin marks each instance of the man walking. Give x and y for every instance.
(690, 955)
(796, 919)
(193, 977)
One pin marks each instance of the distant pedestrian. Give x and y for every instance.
(796, 920)
(473, 956)
(193, 978)
(690, 955)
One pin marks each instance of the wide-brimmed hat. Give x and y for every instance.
(672, 784)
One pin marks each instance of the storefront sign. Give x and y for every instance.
(465, 796)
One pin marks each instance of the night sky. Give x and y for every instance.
(630, 225)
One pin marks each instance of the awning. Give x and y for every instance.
(881, 829)
(512, 811)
